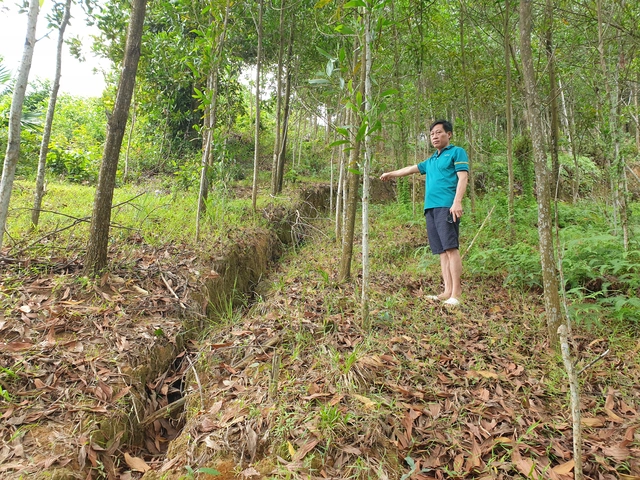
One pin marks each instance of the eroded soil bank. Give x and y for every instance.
(93, 373)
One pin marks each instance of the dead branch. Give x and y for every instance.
(163, 412)
(477, 233)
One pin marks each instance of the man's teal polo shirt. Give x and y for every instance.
(441, 177)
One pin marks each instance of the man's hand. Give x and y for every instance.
(456, 211)
(386, 176)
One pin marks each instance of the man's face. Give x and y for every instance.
(439, 138)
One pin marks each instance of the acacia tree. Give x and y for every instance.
(46, 135)
(256, 153)
(210, 97)
(547, 256)
(12, 154)
(96, 257)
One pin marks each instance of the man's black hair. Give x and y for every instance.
(446, 124)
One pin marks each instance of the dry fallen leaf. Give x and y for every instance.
(618, 453)
(565, 468)
(16, 346)
(250, 472)
(366, 401)
(137, 464)
(592, 422)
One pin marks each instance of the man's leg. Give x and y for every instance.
(446, 276)
(454, 267)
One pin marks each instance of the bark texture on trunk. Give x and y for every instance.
(545, 220)
(15, 114)
(353, 183)
(46, 134)
(96, 257)
(509, 118)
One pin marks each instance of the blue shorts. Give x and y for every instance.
(442, 231)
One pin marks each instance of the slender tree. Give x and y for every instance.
(211, 115)
(353, 175)
(553, 96)
(545, 220)
(12, 154)
(368, 152)
(256, 154)
(46, 135)
(96, 257)
(468, 131)
(509, 117)
(277, 137)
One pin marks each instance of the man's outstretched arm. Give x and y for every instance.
(403, 172)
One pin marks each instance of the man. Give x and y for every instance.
(447, 174)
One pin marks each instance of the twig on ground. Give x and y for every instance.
(164, 411)
(195, 373)
(598, 358)
(171, 290)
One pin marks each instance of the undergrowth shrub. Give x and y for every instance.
(600, 278)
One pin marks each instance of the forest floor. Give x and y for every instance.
(292, 384)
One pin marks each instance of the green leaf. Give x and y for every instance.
(358, 98)
(319, 81)
(361, 131)
(344, 30)
(376, 126)
(355, 171)
(389, 92)
(324, 53)
(342, 131)
(338, 142)
(329, 68)
(208, 471)
(342, 55)
(355, 4)
(321, 3)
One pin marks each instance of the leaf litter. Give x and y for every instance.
(298, 387)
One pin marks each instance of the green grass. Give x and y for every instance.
(140, 213)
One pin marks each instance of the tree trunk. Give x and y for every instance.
(368, 150)
(469, 123)
(96, 257)
(284, 137)
(352, 189)
(256, 153)
(278, 137)
(46, 134)
(12, 154)
(509, 119)
(636, 117)
(553, 101)
(210, 121)
(547, 256)
(616, 170)
(340, 190)
(132, 124)
(400, 141)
